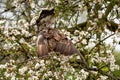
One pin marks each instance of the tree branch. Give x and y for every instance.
(100, 42)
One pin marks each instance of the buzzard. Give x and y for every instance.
(51, 39)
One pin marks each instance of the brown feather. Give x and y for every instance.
(42, 50)
(42, 47)
(56, 41)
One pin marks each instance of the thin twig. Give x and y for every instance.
(100, 42)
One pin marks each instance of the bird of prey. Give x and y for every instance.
(51, 39)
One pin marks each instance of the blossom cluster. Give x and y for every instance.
(56, 67)
(17, 35)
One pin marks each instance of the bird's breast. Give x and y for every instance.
(42, 50)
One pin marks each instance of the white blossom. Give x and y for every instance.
(75, 39)
(94, 72)
(7, 46)
(99, 14)
(22, 40)
(16, 32)
(2, 66)
(42, 62)
(26, 33)
(84, 41)
(32, 5)
(33, 78)
(82, 33)
(114, 67)
(6, 74)
(108, 51)
(31, 72)
(78, 57)
(102, 77)
(37, 65)
(41, 2)
(70, 78)
(57, 1)
(23, 70)
(84, 73)
(13, 77)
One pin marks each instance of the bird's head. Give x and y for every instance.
(46, 18)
